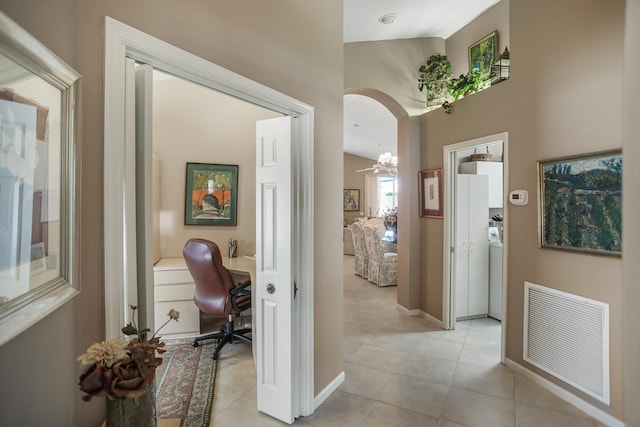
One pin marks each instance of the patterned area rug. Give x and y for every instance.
(185, 382)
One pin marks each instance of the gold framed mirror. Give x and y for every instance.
(39, 181)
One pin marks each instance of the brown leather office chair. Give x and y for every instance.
(219, 292)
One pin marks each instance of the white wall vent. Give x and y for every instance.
(568, 336)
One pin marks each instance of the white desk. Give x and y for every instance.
(174, 288)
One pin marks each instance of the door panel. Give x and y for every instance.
(274, 277)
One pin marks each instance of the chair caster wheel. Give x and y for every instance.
(194, 343)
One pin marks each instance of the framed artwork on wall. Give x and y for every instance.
(580, 203)
(431, 196)
(211, 196)
(483, 54)
(351, 199)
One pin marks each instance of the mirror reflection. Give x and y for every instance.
(30, 180)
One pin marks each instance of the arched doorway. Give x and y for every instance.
(408, 146)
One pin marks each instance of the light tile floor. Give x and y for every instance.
(404, 371)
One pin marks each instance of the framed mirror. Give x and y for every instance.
(39, 181)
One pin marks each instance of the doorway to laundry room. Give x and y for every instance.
(475, 174)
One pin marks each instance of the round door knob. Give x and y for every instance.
(271, 288)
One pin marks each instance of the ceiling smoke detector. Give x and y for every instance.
(389, 18)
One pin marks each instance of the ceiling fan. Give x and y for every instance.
(386, 163)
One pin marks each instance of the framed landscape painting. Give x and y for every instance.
(482, 55)
(211, 196)
(580, 203)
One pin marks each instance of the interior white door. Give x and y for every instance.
(472, 246)
(462, 246)
(274, 273)
(144, 195)
(17, 166)
(479, 244)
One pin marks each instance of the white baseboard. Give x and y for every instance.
(328, 390)
(583, 405)
(414, 312)
(419, 313)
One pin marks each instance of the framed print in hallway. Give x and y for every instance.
(351, 199)
(431, 196)
(211, 196)
(580, 203)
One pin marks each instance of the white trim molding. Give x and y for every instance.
(563, 394)
(328, 390)
(122, 42)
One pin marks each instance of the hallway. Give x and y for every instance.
(404, 371)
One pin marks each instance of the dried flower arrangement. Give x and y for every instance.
(120, 368)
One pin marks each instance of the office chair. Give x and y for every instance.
(219, 292)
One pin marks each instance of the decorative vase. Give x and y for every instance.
(133, 411)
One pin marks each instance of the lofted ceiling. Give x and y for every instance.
(368, 131)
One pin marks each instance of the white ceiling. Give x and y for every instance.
(376, 132)
(369, 128)
(414, 18)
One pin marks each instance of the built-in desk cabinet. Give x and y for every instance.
(173, 288)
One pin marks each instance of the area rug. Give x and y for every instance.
(185, 383)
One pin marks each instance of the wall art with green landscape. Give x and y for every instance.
(580, 200)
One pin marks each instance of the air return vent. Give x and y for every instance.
(568, 337)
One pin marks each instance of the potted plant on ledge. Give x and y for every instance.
(466, 84)
(434, 77)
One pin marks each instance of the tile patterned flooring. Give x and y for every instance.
(404, 371)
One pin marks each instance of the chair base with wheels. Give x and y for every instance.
(219, 292)
(225, 336)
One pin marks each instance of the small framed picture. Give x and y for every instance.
(351, 199)
(211, 196)
(431, 197)
(580, 203)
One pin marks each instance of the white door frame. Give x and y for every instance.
(122, 41)
(449, 173)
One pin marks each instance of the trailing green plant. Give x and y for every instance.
(466, 84)
(434, 77)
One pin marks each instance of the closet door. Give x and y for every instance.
(478, 221)
(471, 245)
(462, 246)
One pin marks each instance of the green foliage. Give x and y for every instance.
(466, 84)
(583, 210)
(434, 77)
(220, 179)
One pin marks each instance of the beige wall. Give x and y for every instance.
(277, 44)
(391, 67)
(198, 125)
(548, 111)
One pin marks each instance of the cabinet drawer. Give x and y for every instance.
(174, 292)
(163, 277)
(189, 321)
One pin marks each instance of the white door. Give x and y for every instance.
(274, 274)
(462, 246)
(138, 221)
(472, 246)
(17, 166)
(478, 244)
(144, 195)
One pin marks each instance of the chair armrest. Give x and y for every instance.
(239, 294)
